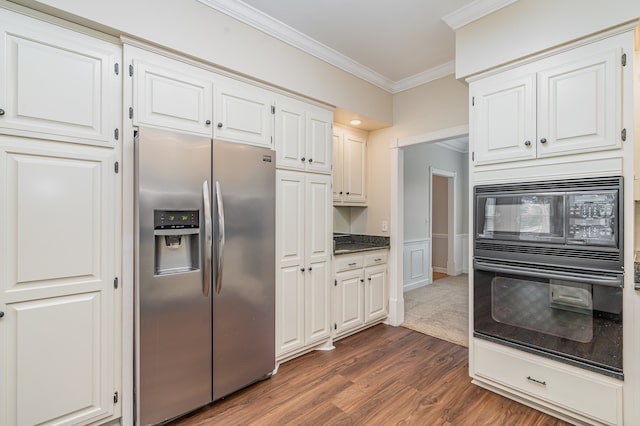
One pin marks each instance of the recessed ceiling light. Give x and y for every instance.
(355, 122)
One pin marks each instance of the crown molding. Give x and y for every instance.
(255, 18)
(474, 11)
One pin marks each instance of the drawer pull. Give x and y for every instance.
(377, 260)
(531, 379)
(353, 264)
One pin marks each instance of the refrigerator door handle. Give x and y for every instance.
(220, 238)
(208, 240)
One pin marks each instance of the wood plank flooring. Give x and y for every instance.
(382, 376)
(438, 275)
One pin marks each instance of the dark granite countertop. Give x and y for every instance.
(352, 243)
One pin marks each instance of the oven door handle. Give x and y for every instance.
(530, 272)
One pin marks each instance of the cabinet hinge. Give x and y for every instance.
(115, 397)
(116, 134)
(130, 70)
(130, 112)
(335, 283)
(623, 135)
(473, 101)
(473, 156)
(116, 167)
(624, 60)
(116, 68)
(273, 109)
(115, 283)
(335, 326)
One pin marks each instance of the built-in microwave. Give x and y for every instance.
(570, 222)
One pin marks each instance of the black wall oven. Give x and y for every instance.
(548, 269)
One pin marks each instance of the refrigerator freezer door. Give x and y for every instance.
(173, 304)
(244, 302)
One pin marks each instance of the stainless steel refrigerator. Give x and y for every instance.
(205, 270)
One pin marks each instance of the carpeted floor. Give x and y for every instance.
(440, 309)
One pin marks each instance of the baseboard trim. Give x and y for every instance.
(415, 285)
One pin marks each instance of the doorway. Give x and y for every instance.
(442, 214)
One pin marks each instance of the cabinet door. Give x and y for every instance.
(58, 233)
(57, 83)
(354, 169)
(349, 300)
(580, 102)
(243, 113)
(337, 167)
(290, 286)
(318, 249)
(171, 94)
(290, 134)
(375, 303)
(319, 144)
(503, 119)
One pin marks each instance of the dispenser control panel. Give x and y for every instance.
(592, 218)
(176, 219)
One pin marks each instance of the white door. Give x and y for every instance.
(243, 113)
(337, 167)
(319, 143)
(375, 305)
(503, 118)
(290, 246)
(170, 94)
(580, 102)
(58, 232)
(354, 167)
(349, 303)
(290, 135)
(57, 83)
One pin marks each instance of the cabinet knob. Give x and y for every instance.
(219, 125)
(1, 111)
(302, 159)
(302, 269)
(1, 314)
(527, 143)
(310, 268)
(369, 278)
(340, 192)
(347, 193)
(361, 281)
(311, 160)
(208, 122)
(543, 140)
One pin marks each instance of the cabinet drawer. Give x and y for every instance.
(569, 389)
(376, 258)
(346, 263)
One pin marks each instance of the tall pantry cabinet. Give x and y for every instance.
(60, 116)
(304, 227)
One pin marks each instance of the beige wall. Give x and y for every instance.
(530, 26)
(196, 30)
(438, 105)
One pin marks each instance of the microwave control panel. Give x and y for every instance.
(592, 218)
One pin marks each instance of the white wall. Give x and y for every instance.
(417, 159)
(190, 28)
(530, 26)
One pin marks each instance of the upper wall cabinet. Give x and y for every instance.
(57, 84)
(350, 173)
(243, 113)
(565, 104)
(303, 136)
(170, 94)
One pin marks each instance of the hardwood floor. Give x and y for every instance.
(438, 275)
(382, 376)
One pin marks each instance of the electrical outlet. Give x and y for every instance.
(385, 226)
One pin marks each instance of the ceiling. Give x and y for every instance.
(395, 45)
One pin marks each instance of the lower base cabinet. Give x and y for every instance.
(361, 296)
(547, 385)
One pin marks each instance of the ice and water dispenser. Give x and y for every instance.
(177, 241)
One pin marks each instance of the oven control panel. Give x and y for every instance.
(592, 218)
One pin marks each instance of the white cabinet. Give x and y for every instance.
(349, 173)
(59, 225)
(243, 112)
(565, 104)
(56, 83)
(303, 136)
(170, 94)
(361, 290)
(303, 250)
(589, 397)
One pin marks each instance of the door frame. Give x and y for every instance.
(451, 222)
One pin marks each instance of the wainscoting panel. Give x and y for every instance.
(417, 270)
(440, 251)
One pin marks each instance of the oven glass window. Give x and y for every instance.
(522, 217)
